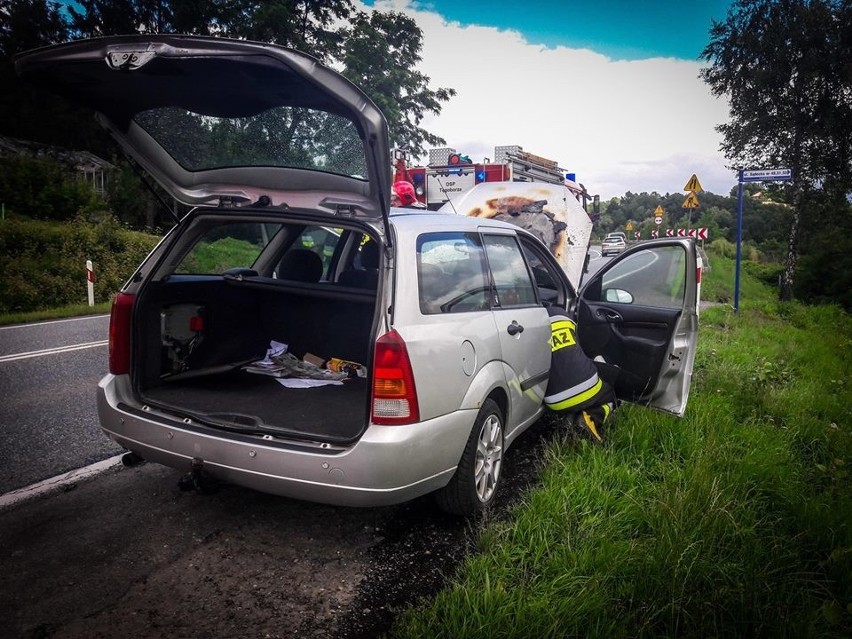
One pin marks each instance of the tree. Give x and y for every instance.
(785, 67)
(26, 24)
(380, 55)
(378, 52)
(307, 25)
(312, 26)
(28, 113)
(825, 273)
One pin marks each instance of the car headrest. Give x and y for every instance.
(370, 255)
(301, 265)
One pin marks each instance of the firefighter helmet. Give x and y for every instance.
(405, 192)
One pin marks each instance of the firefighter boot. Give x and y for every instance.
(593, 419)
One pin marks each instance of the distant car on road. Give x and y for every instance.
(613, 244)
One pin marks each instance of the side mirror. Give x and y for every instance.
(617, 295)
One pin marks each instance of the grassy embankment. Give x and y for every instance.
(733, 521)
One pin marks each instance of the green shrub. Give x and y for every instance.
(722, 248)
(43, 264)
(767, 273)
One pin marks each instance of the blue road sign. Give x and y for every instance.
(767, 175)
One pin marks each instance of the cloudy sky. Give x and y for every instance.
(608, 88)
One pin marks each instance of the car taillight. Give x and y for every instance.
(119, 333)
(394, 394)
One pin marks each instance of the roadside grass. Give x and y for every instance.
(733, 521)
(718, 282)
(73, 310)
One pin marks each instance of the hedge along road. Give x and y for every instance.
(48, 419)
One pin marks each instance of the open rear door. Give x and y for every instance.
(637, 317)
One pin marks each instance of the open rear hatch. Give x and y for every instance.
(219, 121)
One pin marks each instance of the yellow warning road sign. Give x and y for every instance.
(629, 226)
(691, 201)
(693, 185)
(659, 212)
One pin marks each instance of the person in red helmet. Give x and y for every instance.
(403, 194)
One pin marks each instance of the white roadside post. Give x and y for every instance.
(90, 282)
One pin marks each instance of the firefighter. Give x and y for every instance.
(575, 387)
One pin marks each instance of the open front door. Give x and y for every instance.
(637, 317)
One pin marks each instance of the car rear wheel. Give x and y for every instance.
(475, 482)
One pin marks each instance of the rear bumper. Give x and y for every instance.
(387, 465)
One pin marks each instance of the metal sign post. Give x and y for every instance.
(757, 175)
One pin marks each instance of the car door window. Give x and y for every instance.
(512, 281)
(451, 273)
(652, 277)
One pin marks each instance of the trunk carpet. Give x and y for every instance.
(328, 413)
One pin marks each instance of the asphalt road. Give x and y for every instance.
(595, 262)
(48, 420)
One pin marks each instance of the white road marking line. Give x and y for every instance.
(70, 319)
(52, 351)
(72, 476)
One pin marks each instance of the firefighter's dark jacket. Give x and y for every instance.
(574, 383)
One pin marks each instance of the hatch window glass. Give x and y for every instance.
(653, 277)
(509, 270)
(288, 137)
(451, 273)
(227, 246)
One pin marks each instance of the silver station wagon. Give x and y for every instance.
(293, 333)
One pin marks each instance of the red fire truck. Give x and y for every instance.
(450, 174)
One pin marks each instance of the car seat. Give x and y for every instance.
(300, 265)
(434, 286)
(368, 275)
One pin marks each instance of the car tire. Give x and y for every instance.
(477, 478)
